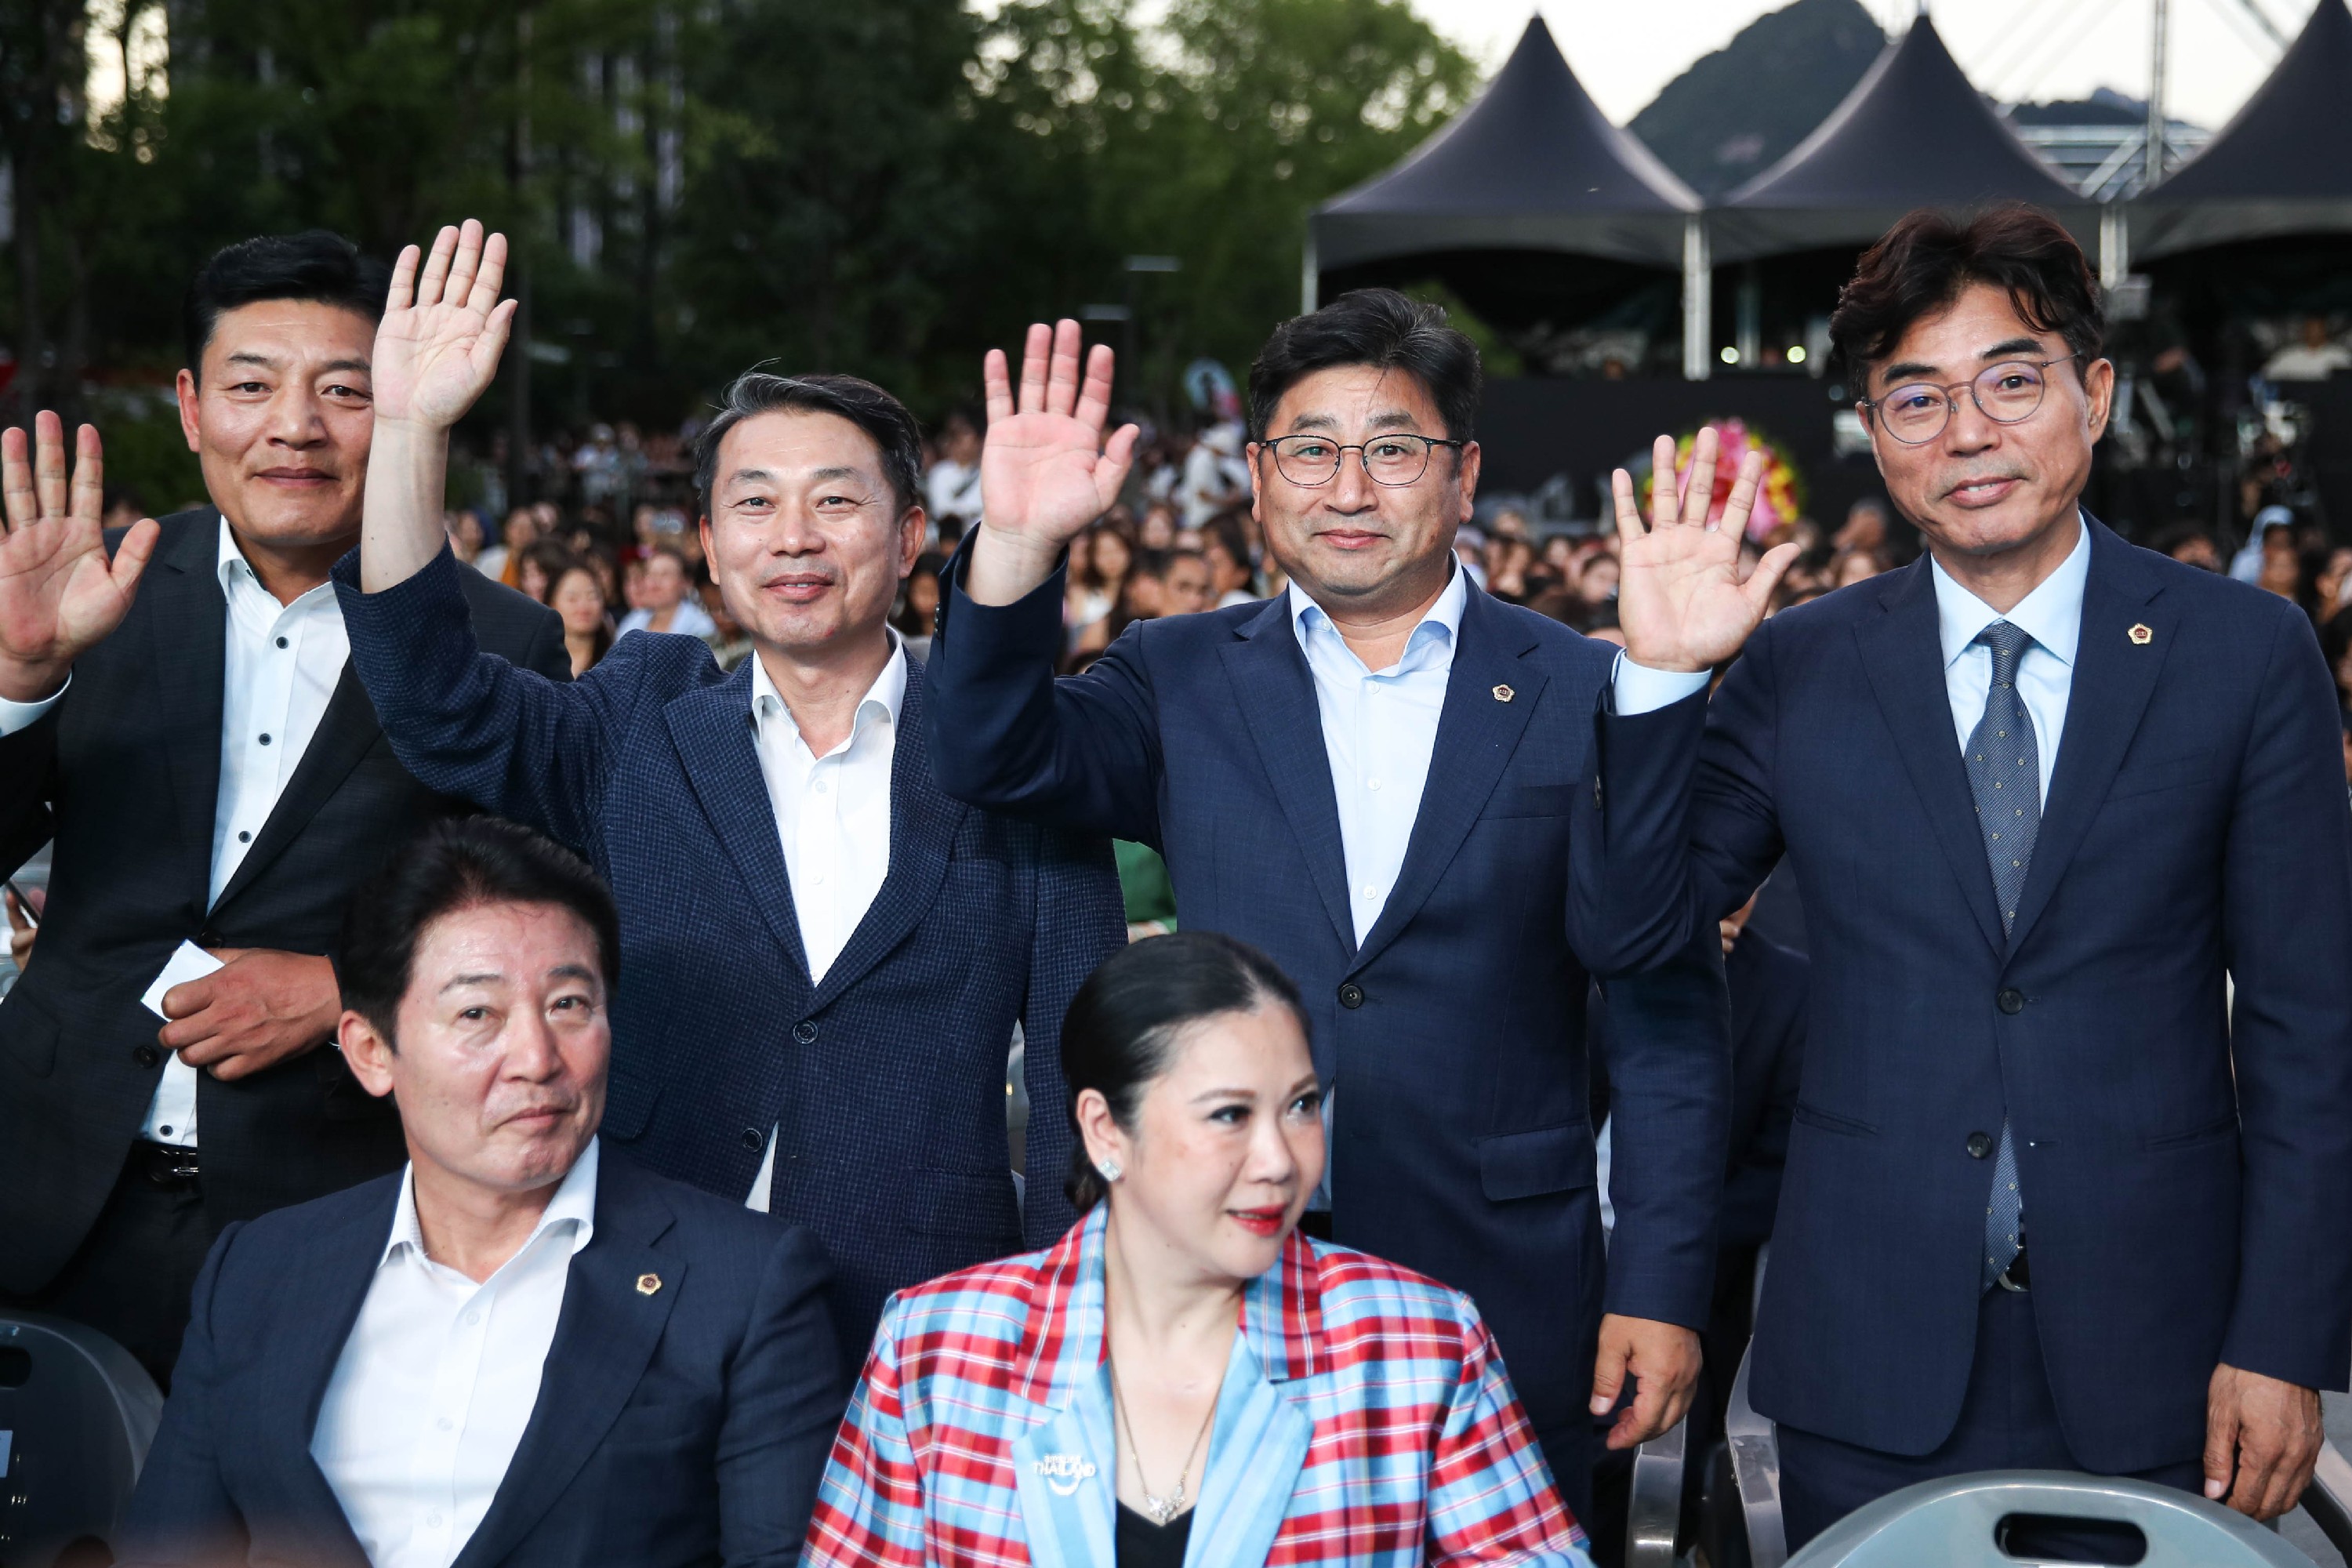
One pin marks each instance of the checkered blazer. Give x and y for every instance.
(1365, 1418)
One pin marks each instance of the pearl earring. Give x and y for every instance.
(1110, 1169)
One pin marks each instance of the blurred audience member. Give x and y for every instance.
(1858, 566)
(1232, 575)
(1157, 531)
(579, 598)
(463, 526)
(520, 528)
(918, 604)
(538, 567)
(665, 603)
(2312, 356)
(2188, 543)
(1187, 588)
(951, 488)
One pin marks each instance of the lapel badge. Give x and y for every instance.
(2141, 635)
(648, 1283)
(1504, 694)
(1065, 1472)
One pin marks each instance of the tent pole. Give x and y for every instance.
(2153, 164)
(1310, 278)
(1698, 299)
(2115, 247)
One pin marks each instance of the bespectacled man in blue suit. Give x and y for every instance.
(1375, 778)
(2053, 1198)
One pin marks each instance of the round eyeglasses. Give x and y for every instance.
(2005, 394)
(1397, 459)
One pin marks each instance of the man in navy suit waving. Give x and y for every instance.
(1374, 779)
(2050, 1202)
(827, 956)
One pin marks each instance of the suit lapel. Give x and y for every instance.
(1276, 695)
(711, 728)
(923, 823)
(331, 1275)
(346, 729)
(1067, 1468)
(187, 621)
(1902, 653)
(2113, 678)
(603, 1340)
(1255, 1451)
(1477, 732)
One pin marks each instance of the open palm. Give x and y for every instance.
(437, 348)
(1680, 599)
(60, 593)
(1046, 472)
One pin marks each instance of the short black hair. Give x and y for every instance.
(460, 863)
(313, 265)
(1378, 327)
(1922, 264)
(1124, 1021)
(863, 403)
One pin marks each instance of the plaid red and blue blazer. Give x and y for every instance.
(1365, 1418)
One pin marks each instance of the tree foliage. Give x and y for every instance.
(879, 187)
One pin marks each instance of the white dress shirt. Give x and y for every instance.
(438, 1378)
(689, 620)
(280, 668)
(832, 815)
(1380, 731)
(2051, 614)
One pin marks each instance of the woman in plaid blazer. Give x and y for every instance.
(1309, 1404)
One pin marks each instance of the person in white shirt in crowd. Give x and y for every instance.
(2312, 356)
(952, 487)
(519, 1350)
(214, 779)
(1215, 475)
(666, 602)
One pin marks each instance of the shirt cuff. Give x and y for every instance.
(16, 716)
(1637, 689)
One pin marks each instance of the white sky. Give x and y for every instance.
(1625, 50)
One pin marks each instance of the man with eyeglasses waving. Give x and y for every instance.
(1375, 778)
(2051, 1203)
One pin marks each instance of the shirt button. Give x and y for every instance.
(243, 837)
(817, 881)
(1370, 891)
(433, 1521)
(443, 1424)
(473, 1317)
(819, 787)
(265, 740)
(281, 642)
(1372, 783)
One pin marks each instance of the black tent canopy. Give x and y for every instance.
(2282, 165)
(1913, 133)
(1532, 164)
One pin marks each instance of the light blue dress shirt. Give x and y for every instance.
(2051, 614)
(1380, 731)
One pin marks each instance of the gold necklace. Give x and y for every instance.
(1160, 1511)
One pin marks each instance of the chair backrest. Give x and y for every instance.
(1756, 1469)
(1654, 1504)
(1955, 1523)
(77, 1415)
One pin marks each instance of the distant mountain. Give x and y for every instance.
(1734, 112)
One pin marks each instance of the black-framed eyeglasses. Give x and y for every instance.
(1397, 459)
(2006, 394)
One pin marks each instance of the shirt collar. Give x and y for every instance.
(574, 1204)
(2051, 614)
(883, 699)
(232, 566)
(1443, 619)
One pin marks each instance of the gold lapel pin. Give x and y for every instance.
(1504, 694)
(648, 1283)
(2141, 635)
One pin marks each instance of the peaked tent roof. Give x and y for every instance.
(1913, 133)
(2282, 165)
(1532, 164)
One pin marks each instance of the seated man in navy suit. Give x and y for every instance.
(2058, 1196)
(518, 1352)
(827, 956)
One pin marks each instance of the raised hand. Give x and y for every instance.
(1045, 471)
(1680, 600)
(59, 594)
(437, 350)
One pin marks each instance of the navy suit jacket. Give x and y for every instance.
(687, 1426)
(2187, 1172)
(1453, 1035)
(889, 1077)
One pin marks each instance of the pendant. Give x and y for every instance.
(1163, 1511)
